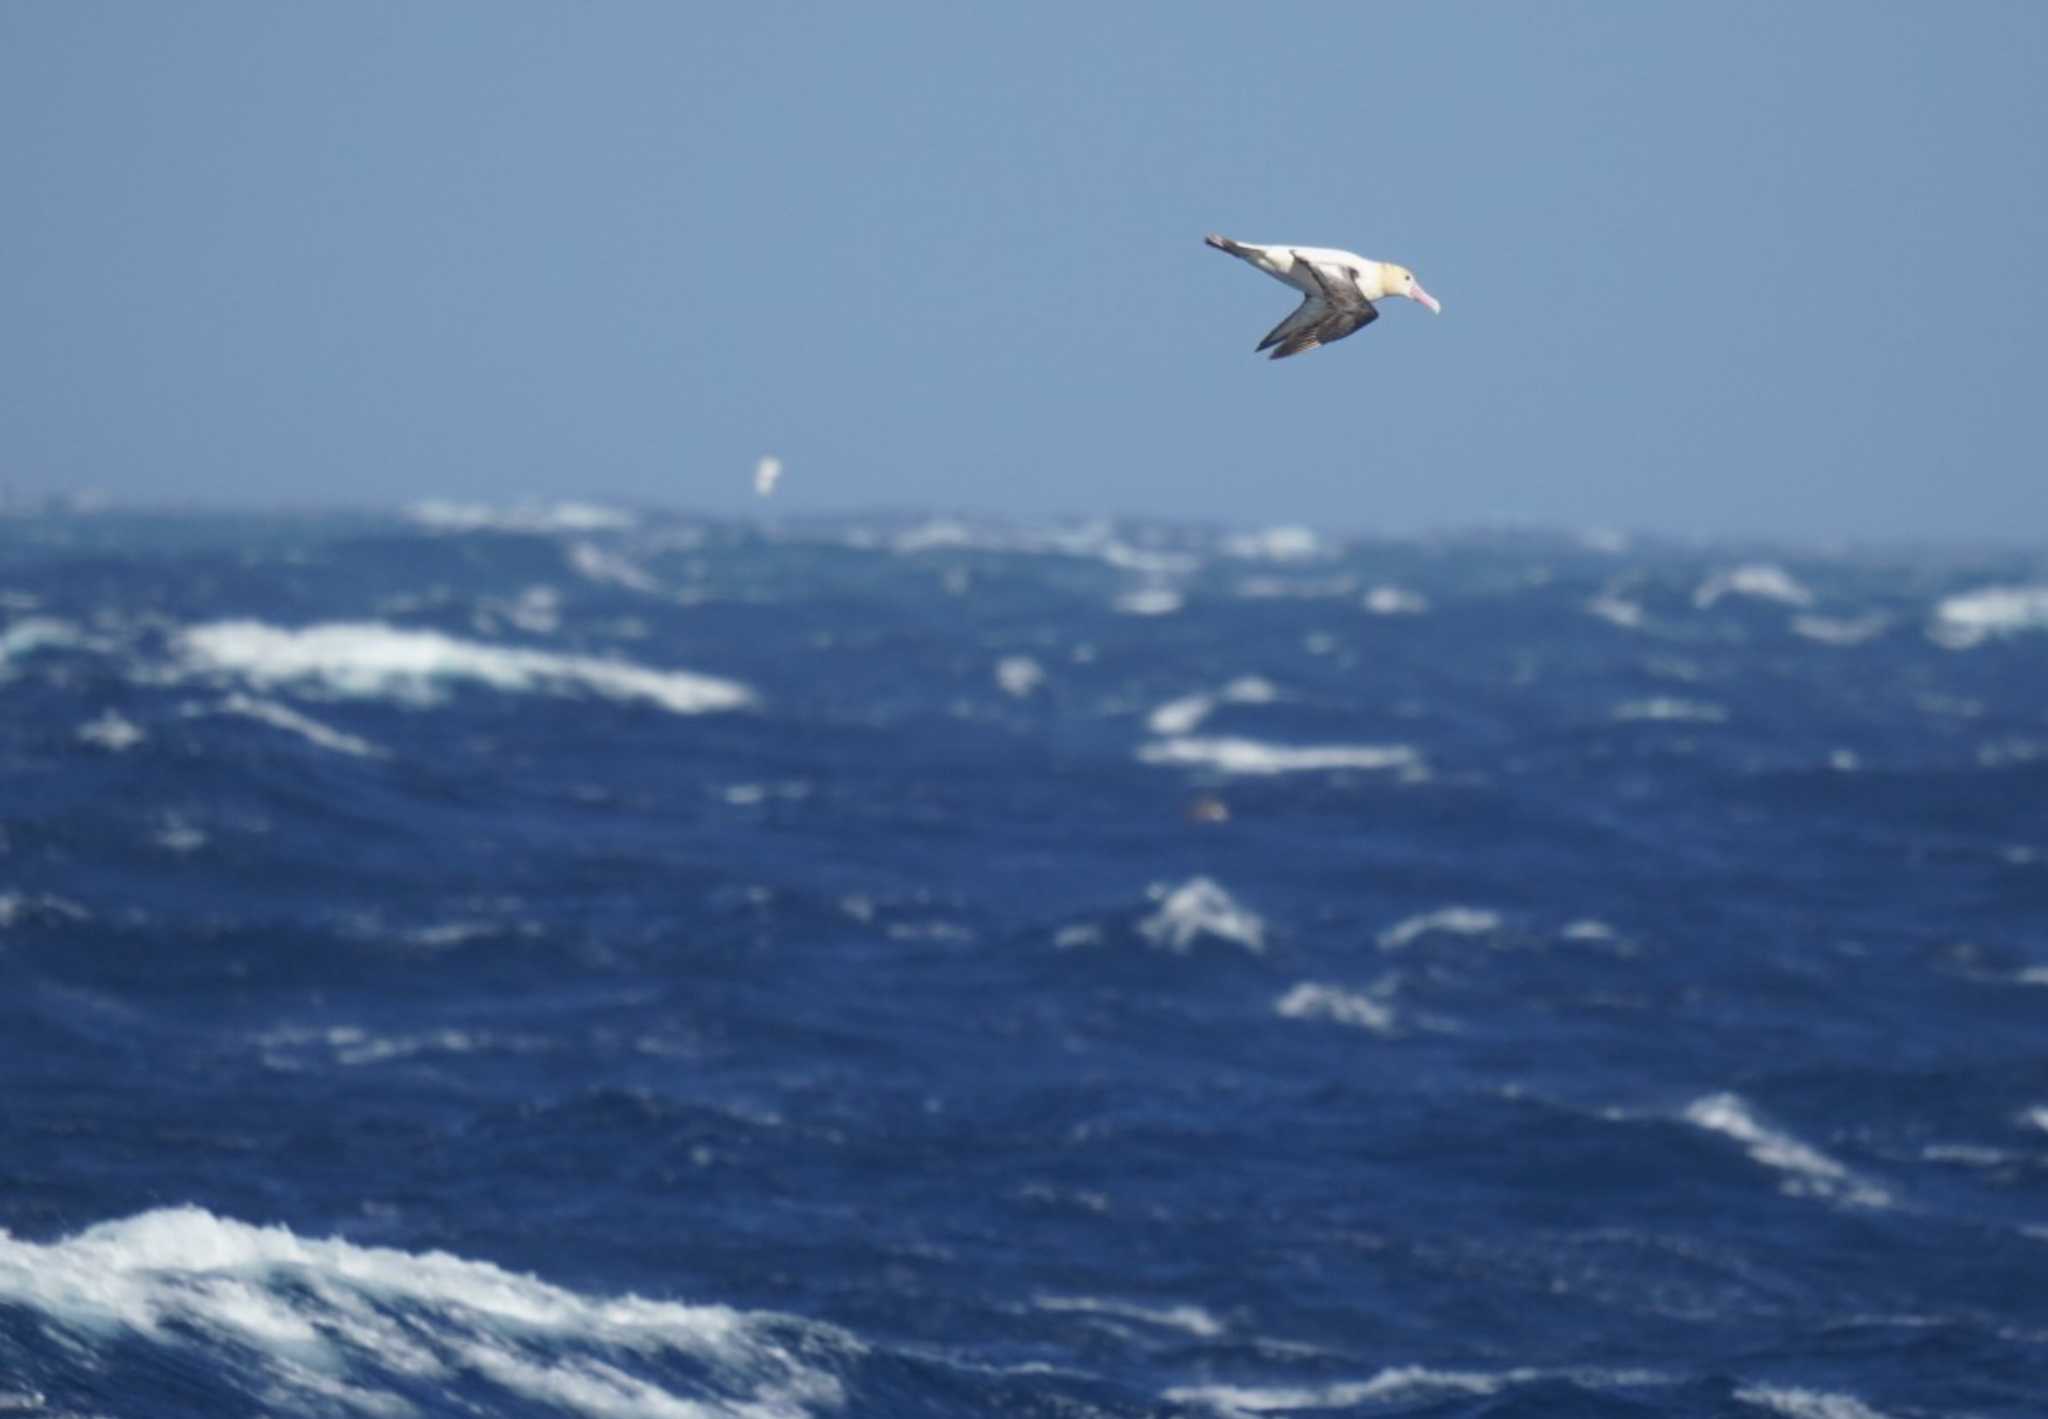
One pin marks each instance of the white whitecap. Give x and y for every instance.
(16, 905)
(1760, 580)
(1809, 1172)
(372, 659)
(312, 1309)
(445, 516)
(1452, 920)
(111, 731)
(353, 1046)
(2011, 750)
(1973, 617)
(1253, 756)
(1312, 1001)
(1194, 1320)
(1616, 611)
(1019, 675)
(1183, 715)
(1097, 540)
(1149, 601)
(1274, 544)
(1250, 690)
(1125, 557)
(1399, 1382)
(1291, 588)
(1670, 708)
(1841, 630)
(1395, 601)
(1200, 907)
(34, 633)
(537, 609)
(174, 834)
(284, 717)
(938, 533)
(1795, 1403)
(1967, 1155)
(594, 563)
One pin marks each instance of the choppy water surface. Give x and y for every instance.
(562, 961)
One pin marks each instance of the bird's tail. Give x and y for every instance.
(1224, 243)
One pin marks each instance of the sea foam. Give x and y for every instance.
(1616, 611)
(1974, 617)
(1415, 1388)
(1275, 544)
(594, 563)
(1455, 920)
(1312, 1001)
(111, 731)
(311, 1310)
(284, 717)
(1149, 601)
(1412, 1383)
(1198, 908)
(1253, 756)
(445, 516)
(1019, 675)
(34, 633)
(1193, 1320)
(1805, 1403)
(1671, 709)
(1761, 580)
(1808, 1171)
(1181, 716)
(1841, 630)
(372, 659)
(1395, 601)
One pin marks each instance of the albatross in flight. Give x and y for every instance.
(1338, 290)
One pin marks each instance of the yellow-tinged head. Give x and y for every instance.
(1400, 281)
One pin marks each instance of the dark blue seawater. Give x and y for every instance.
(552, 962)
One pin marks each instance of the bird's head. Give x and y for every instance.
(1400, 281)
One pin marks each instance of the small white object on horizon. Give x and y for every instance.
(767, 473)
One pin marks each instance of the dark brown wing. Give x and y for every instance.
(1334, 326)
(1311, 311)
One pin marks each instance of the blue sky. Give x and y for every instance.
(1749, 268)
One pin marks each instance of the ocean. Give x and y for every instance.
(569, 960)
